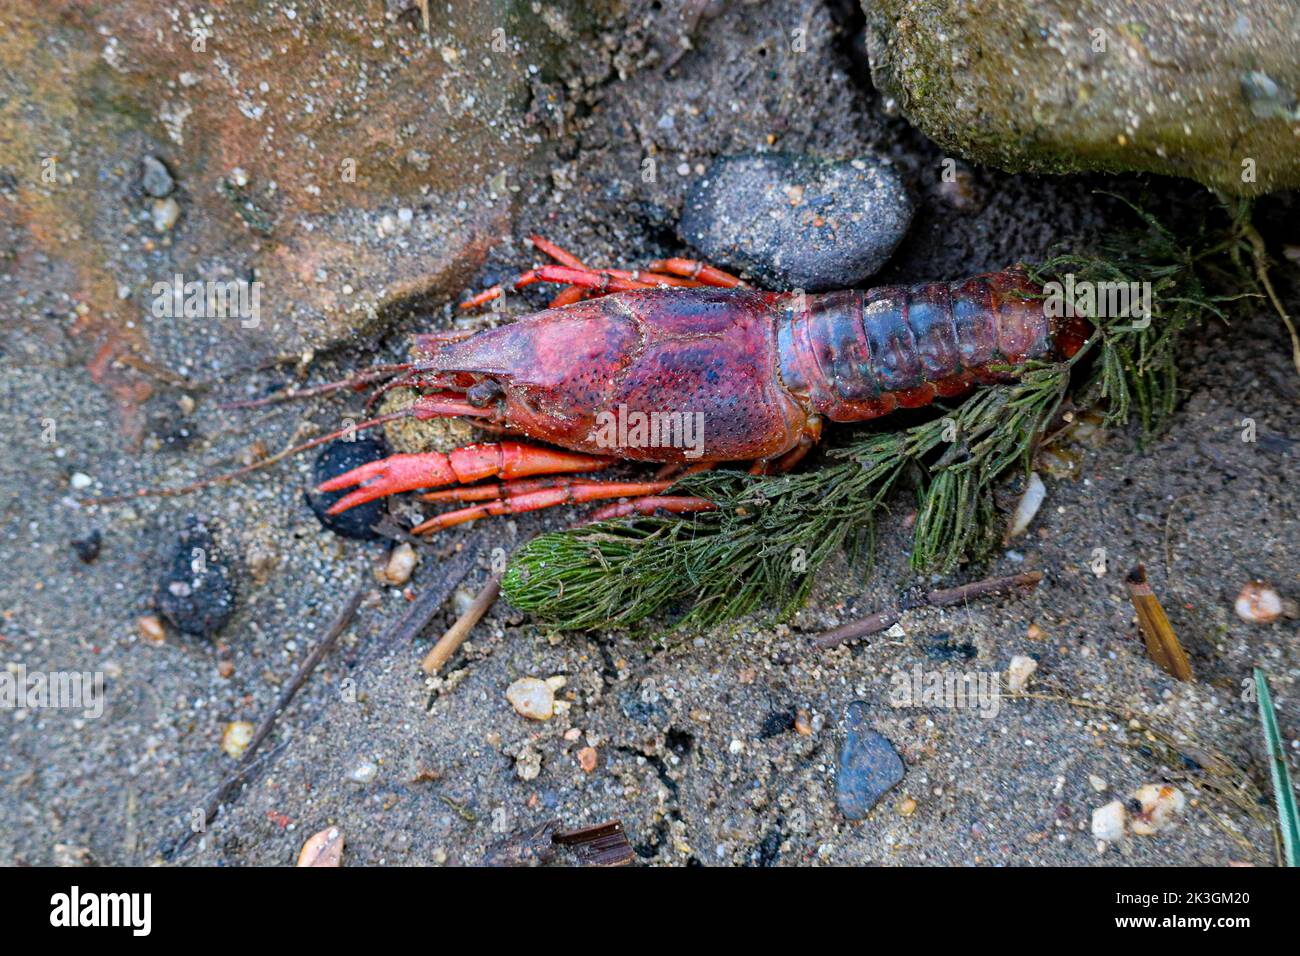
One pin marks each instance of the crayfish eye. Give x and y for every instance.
(484, 393)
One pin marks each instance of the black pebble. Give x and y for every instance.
(336, 458)
(776, 723)
(87, 548)
(197, 592)
(943, 648)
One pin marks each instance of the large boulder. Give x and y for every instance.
(1207, 89)
(350, 160)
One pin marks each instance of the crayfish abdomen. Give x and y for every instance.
(853, 356)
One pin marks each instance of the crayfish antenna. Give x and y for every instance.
(376, 374)
(247, 469)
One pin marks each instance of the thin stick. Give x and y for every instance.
(1259, 253)
(1162, 642)
(871, 624)
(268, 723)
(947, 596)
(883, 620)
(450, 642)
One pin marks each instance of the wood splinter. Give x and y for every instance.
(941, 597)
(450, 642)
(1162, 643)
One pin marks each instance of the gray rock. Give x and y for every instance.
(795, 222)
(869, 765)
(196, 594)
(1108, 85)
(155, 178)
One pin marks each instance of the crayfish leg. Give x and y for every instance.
(509, 459)
(672, 504)
(520, 497)
(581, 281)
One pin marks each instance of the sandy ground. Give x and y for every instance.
(694, 750)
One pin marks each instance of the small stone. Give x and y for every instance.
(364, 772)
(80, 481)
(164, 213)
(869, 765)
(573, 734)
(1019, 672)
(155, 178)
(236, 737)
(1161, 805)
(1108, 821)
(1034, 632)
(338, 457)
(802, 723)
(87, 548)
(1258, 603)
(796, 222)
(196, 594)
(151, 629)
(906, 807)
(225, 669)
(528, 765)
(587, 759)
(401, 562)
(1097, 783)
(532, 698)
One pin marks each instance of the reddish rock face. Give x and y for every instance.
(351, 162)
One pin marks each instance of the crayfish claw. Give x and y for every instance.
(393, 474)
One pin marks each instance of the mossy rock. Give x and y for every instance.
(1206, 89)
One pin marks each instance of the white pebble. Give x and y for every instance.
(363, 772)
(1108, 821)
(532, 698)
(1258, 603)
(1019, 672)
(164, 213)
(1027, 506)
(401, 562)
(81, 481)
(1161, 805)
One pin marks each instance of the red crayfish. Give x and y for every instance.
(688, 344)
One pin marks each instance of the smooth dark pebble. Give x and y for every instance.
(795, 222)
(776, 723)
(336, 458)
(869, 765)
(87, 548)
(943, 648)
(197, 592)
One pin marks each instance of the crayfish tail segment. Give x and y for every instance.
(398, 473)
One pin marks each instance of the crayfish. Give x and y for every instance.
(760, 371)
